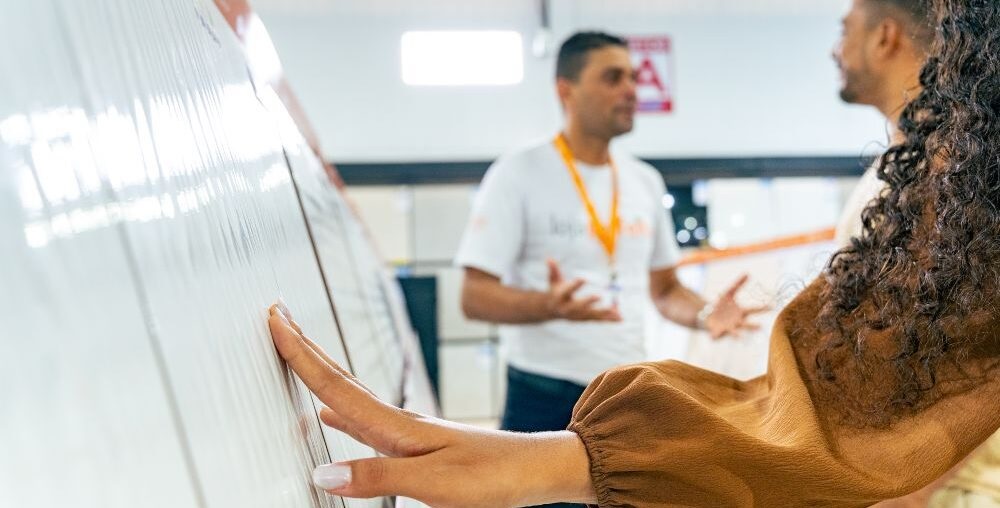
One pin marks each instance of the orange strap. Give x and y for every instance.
(708, 255)
(607, 235)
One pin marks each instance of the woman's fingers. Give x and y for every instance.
(352, 408)
(408, 436)
(333, 387)
(331, 418)
(429, 479)
(367, 478)
(332, 363)
(280, 308)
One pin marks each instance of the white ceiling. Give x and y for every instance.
(481, 7)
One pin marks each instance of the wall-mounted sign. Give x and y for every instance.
(653, 59)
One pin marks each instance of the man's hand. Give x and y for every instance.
(486, 298)
(561, 304)
(728, 317)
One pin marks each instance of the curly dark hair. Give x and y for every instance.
(909, 298)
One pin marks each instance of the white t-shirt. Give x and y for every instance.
(527, 210)
(867, 189)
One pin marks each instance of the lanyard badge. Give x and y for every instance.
(607, 235)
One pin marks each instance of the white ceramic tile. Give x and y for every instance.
(151, 216)
(87, 415)
(222, 238)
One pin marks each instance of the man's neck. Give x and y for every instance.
(898, 96)
(586, 147)
(892, 114)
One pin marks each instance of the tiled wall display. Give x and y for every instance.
(153, 202)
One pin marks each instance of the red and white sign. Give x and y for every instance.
(653, 59)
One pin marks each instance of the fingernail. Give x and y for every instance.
(332, 476)
(280, 314)
(282, 308)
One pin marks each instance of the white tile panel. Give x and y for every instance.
(376, 352)
(352, 270)
(150, 217)
(322, 210)
(86, 416)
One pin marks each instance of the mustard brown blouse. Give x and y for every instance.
(667, 434)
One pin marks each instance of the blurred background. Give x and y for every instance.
(755, 144)
(168, 169)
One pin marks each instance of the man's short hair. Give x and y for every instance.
(573, 52)
(916, 14)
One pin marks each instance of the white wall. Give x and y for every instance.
(754, 78)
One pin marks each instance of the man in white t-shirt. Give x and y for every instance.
(883, 46)
(566, 272)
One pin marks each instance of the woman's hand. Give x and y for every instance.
(440, 463)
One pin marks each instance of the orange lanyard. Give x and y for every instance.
(606, 234)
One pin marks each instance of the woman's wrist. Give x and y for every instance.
(556, 469)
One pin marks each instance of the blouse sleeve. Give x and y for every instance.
(669, 434)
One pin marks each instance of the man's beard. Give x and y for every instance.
(621, 129)
(848, 95)
(855, 85)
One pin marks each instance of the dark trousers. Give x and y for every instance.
(537, 404)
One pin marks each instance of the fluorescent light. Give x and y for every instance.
(462, 58)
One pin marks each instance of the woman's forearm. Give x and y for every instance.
(555, 468)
